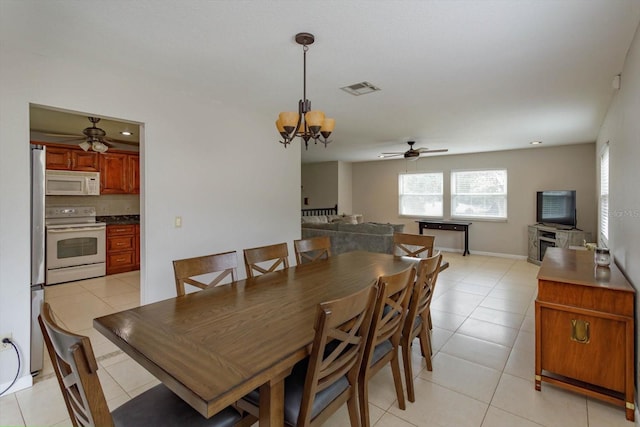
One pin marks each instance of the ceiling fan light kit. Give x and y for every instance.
(306, 123)
(99, 147)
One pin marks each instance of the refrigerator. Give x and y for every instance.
(38, 166)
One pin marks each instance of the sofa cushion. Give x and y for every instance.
(315, 219)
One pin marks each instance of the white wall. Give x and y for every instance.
(327, 183)
(227, 200)
(621, 129)
(345, 187)
(375, 192)
(320, 185)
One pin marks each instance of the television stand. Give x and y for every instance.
(543, 236)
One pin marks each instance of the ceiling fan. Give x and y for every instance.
(94, 138)
(412, 153)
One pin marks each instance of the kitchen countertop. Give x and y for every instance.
(119, 219)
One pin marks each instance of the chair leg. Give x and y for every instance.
(352, 405)
(425, 345)
(408, 369)
(363, 396)
(397, 380)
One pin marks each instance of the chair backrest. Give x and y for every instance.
(77, 371)
(413, 245)
(390, 309)
(423, 289)
(279, 253)
(312, 249)
(342, 328)
(186, 270)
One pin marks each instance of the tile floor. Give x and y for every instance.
(483, 361)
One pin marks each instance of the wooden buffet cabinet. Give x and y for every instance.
(585, 328)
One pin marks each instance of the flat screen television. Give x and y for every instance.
(556, 207)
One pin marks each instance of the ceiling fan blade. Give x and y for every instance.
(79, 139)
(426, 150)
(61, 135)
(387, 155)
(121, 141)
(394, 152)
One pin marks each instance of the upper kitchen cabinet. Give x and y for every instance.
(67, 158)
(133, 167)
(119, 173)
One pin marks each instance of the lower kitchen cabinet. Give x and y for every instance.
(137, 243)
(122, 248)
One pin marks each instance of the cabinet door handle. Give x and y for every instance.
(580, 331)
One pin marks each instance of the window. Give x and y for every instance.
(604, 194)
(479, 194)
(420, 194)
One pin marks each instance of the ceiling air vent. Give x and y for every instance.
(362, 88)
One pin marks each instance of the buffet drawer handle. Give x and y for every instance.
(580, 331)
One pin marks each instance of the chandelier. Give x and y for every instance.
(306, 123)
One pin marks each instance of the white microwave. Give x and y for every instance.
(71, 183)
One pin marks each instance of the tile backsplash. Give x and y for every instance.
(108, 204)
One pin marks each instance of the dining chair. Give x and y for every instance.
(387, 322)
(77, 371)
(413, 245)
(416, 323)
(186, 270)
(312, 249)
(321, 383)
(278, 253)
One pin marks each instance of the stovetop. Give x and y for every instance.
(69, 215)
(76, 225)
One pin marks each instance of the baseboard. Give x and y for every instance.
(21, 383)
(493, 254)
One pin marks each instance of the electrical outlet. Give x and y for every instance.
(4, 346)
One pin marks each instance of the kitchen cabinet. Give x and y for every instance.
(137, 243)
(133, 169)
(585, 328)
(69, 158)
(121, 248)
(119, 173)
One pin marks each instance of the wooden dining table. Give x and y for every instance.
(214, 346)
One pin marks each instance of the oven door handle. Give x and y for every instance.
(73, 230)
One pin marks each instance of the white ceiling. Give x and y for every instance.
(464, 75)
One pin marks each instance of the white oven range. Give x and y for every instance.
(75, 244)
